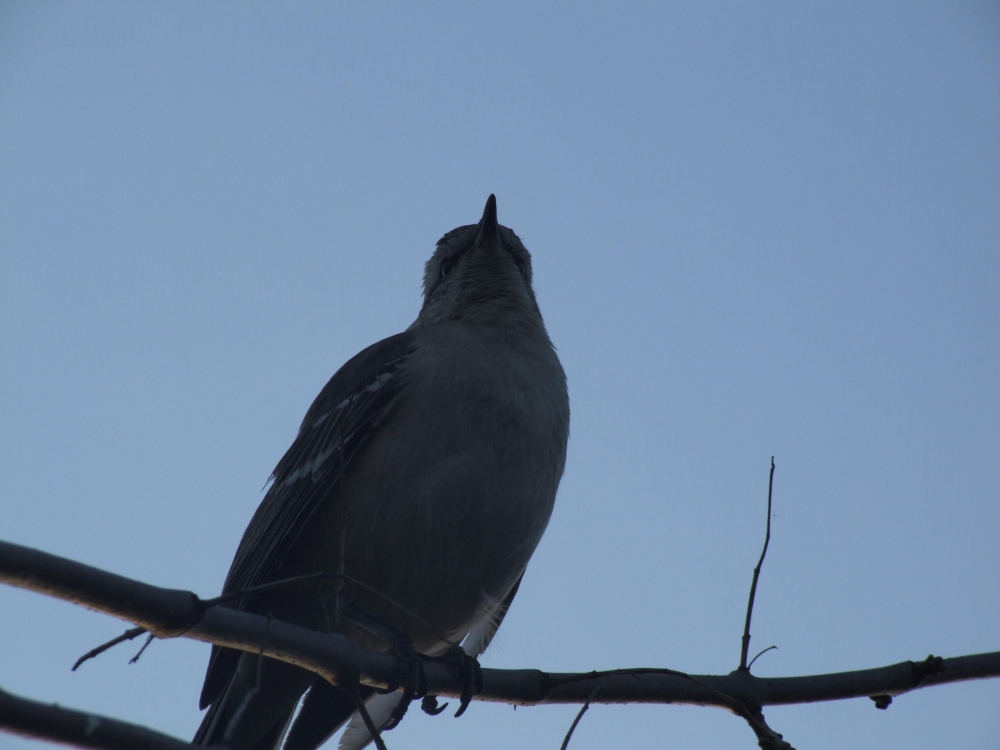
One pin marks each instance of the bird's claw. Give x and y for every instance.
(429, 705)
(410, 675)
(469, 673)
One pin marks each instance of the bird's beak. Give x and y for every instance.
(489, 230)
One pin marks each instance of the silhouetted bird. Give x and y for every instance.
(435, 454)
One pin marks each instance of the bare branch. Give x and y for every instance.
(164, 612)
(170, 613)
(77, 728)
(756, 574)
(128, 635)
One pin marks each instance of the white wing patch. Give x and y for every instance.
(311, 469)
(379, 382)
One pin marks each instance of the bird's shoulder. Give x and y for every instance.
(348, 411)
(350, 407)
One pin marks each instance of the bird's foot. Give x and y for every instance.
(410, 668)
(469, 673)
(410, 674)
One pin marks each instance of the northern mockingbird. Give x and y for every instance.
(434, 456)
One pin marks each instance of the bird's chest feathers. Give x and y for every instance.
(499, 396)
(480, 435)
(462, 482)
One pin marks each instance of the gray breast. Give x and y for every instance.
(451, 503)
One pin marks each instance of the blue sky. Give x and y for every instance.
(758, 229)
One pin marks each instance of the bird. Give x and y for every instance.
(425, 472)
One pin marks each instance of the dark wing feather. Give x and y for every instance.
(325, 709)
(349, 410)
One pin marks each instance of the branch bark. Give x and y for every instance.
(170, 613)
(50, 722)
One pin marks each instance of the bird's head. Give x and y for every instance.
(478, 272)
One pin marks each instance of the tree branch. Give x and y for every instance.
(169, 613)
(50, 722)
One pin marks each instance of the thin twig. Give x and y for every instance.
(149, 639)
(244, 706)
(319, 576)
(580, 713)
(759, 654)
(359, 704)
(128, 635)
(338, 604)
(756, 574)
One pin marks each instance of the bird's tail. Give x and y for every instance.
(324, 711)
(356, 736)
(256, 707)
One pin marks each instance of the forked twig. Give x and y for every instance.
(128, 635)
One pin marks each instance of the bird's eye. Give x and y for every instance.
(446, 266)
(521, 266)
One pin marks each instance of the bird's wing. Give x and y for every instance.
(350, 409)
